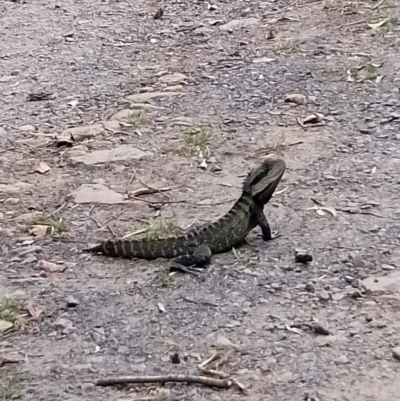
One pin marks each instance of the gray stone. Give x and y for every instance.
(146, 97)
(382, 284)
(124, 153)
(71, 301)
(239, 24)
(17, 187)
(222, 342)
(27, 128)
(396, 353)
(96, 193)
(63, 323)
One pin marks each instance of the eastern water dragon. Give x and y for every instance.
(197, 246)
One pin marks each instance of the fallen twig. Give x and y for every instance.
(377, 5)
(159, 190)
(350, 211)
(215, 357)
(352, 23)
(206, 303)
(137, 232)
(308, 125)
(205, 381)
(360, 212)
(147, 191)
(182, 201)
(294, 144)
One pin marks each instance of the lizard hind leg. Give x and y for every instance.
(201, 257)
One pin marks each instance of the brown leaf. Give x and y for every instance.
(313, 119)
(41, 168)
(295, 98)
(37, 97)
(5, 325)
(50, 267)
(38, 230)
(159, 13)
(10, 358)
(35, 313)
(270, 35)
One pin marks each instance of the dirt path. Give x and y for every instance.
(223, 68)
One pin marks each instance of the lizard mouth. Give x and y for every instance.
(266, 181)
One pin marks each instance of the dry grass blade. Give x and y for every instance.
(9, 388)
(273, 145)
(136, 118)
(52, 226)
(198, 140)
(159, 228)
(9, 310)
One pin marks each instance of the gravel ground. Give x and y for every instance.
(97, 101)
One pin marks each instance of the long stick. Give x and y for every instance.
(206, 381)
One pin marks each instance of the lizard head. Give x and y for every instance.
(263, 180)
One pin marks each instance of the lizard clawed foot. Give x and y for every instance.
(183, 269)
(275, 235)
(271, 237)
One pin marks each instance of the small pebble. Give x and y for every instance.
(322, 294)
(72, 302)
(302, 256)
(396, 353)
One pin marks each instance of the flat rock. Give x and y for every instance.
(121, 115)
(383, 284)
(147, 96)
(6, 78)
(27, 128)
(223, 342)
(111, 125)
(122, 153)
(96, 193)
(13, 188)
(173, 79)
(329, 341)
(34, 142)
(239, 24)
(78, 134)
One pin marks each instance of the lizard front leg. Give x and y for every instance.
(201, 257)
(264, 225)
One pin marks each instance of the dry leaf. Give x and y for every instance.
(10, 358)
(159, 13)
(320, 210)
(41, 168)
(329, 209)
(50, 267)
(73, 103)
(203, 164)
(293, 330)
(5, 325)
(35, 313)
(295, 98)
(313, 118)
(38, 230)
(270, 35)
(161, 307)
(379, 24)
(211, 7)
